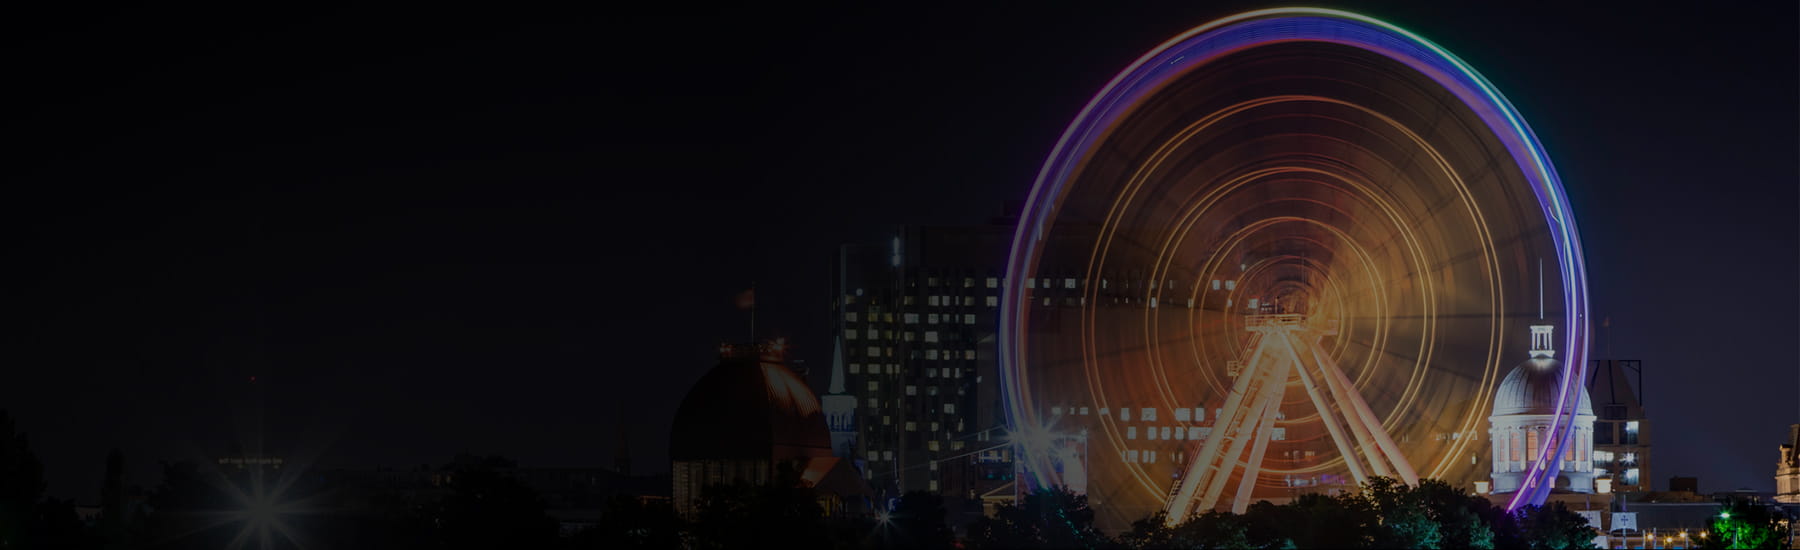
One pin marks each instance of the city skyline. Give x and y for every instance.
(422, 239)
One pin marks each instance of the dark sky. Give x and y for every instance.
(428, 231)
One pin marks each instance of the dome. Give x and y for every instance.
(749, 407)
(1532, 388)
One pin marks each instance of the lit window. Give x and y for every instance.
(1131, 455)
(931, 354)
(850, 316)
(1180, 433)
(1131, 432)
(1031, 283)
(932, 446)
(873, 456)
(1068, 283)
(956, 445)
(887, 455)
(874, 351)
(1215, 284)
(968, 282)
(993, 301)
(1150, 457)
(993, 282)
(968, 318)
(1231, 285)
(1124, 415)
(1084, 411)
(911, 318)
(1149, 414)
(873, 403)
(912, 426)
(1165, 432)
(1103, 411)
(850, 334)
(931, 390)
(887, 420)
(950, 408)
(1056, 411)
(1199, 414)
(912, 390)
(968, 300)
(854, 367)
(931, 336)
(931, 300)
(934, 426)
(930, 372)
(1279, 434)
(1531, 445)
(874, 385)
(931, 319)
(909, 336)
(1181, 415)
(1150, 433)
(1193, 433)
(968, 354)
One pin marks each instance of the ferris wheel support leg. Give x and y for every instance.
(1201, 467)
(1382, 439)
(1330, 420)
(1364, 441)
(1268, 390)
(1264, 432)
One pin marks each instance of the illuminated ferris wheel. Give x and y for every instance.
(1283, 252)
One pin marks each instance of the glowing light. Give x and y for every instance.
(1213, 40)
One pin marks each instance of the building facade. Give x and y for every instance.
(1787, 471)
(1621, 431)
(1524, 420)
(917, 318)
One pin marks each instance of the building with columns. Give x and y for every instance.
(1524, 417)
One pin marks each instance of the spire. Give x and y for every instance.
(837, 364)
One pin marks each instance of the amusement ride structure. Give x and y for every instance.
(1283, 252)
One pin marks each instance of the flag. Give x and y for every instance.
(747, 299)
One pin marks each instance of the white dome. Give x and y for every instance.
(1532, 388)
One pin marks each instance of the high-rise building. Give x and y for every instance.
(1621, 432)
(917, 318)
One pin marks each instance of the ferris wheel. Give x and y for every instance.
(1283, 252)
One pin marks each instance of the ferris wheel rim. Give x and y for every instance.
(1212, 40)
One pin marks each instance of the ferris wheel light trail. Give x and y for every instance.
(1250, 426)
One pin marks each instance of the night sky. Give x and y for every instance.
(426, 232)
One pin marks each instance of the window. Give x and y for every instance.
(912, 426)
(1084, 411)
(887, 455)
(1056, 411)
(874, 456)
(950, 408)
(1181, 415)
(968, 282)
(1180, 433)
(1531, 444)
(993, 282)
(874, 351)
(931, 300)
(1215, 284)
(1149, 414)
(1631, 432)
(968, 318)
(993, 301)
(1150, 433)
(931, 390)
(1631, 476)
(849, 334)
(1517, 450)
(931, 336)
(1165, 432)
(1068, 283)
(854, 367)
(968, 354)
(932, 446)
(873, 403)
(1131, 432)
(931, 354)
(874, 385)
(911, 318)
(912, 390)
(1603, 433)
(850, 316)
(1124, 414)
(931, 319)
(1280, 434)
(1131, 455)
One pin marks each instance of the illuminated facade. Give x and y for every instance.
(917, 323)
(1622, 433)
(1787, 471)
(1524, 421)
(1289, 249)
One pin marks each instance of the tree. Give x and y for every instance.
(1554, 527)
(1744, 524)
(780, 514)
(21, 484)
(1046, 518)
(917, 521)
(488, 508)
(629, 522)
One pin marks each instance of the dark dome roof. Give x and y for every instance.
(1532, 388)
(749, 407)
